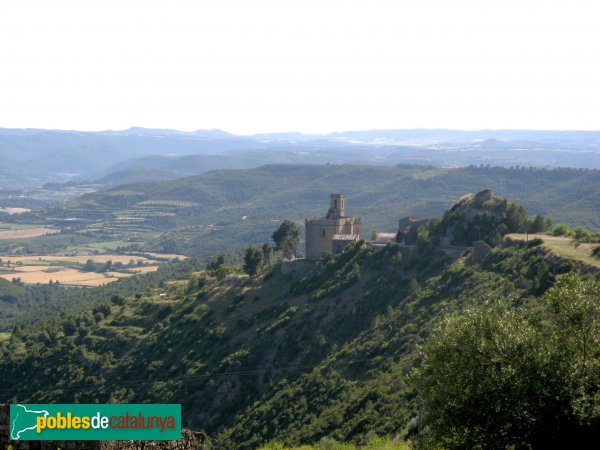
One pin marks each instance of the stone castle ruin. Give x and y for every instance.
(332, 233)
(408, 228)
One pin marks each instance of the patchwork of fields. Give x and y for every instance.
(60, 275)
(79, 270)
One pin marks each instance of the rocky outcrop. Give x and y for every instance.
(480, 251)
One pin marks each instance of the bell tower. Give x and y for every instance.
(332, 233)
(336, 207)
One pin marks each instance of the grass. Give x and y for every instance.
(108, 245)
(27, 233)
(16, 226)
(565, 247)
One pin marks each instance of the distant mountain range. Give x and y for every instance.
(32, 157)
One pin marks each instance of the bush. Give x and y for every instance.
(535, 242)
(497, 374)
(581, 233)
(561, 230)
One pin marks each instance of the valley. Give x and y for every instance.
(328, 350)
(221, 211)
(299, 225)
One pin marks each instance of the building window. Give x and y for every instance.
(323, 232)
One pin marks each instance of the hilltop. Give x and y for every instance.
(322, 352)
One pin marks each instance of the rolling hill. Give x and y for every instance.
(222, 210)
(32, 157)
(328, 350)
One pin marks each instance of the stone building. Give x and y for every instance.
(408, 228)
(333, 232)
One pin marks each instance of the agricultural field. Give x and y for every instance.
(80, 270)
(79, 259)
(16, 226)
(12, 211)
(564, 246)
(61, 275)
(34, 254)
(27, 233)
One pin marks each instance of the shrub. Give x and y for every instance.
(561, 230)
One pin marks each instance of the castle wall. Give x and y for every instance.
(319, 235)
(320, 232)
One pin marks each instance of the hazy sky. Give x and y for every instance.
(255, 65)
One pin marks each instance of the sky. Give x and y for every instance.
(310, 66)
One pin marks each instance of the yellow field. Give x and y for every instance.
(45, 268)
(564, 246)
(64, 276)
(15, 210)
(28, 233)
(37, 268)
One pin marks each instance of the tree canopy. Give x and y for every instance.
(287, 239)
(496, 373)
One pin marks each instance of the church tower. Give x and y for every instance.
(333, 232)
(336, 207)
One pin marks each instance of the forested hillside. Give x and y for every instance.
(332, 349)
(229, 209)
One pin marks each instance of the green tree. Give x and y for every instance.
(267, 250)
(106, 267)
(252, 260)
(485, 378)
(214, 265)
(538, 224)
(581, 233)
(89, 266)
(414, 287)
(423, 241)
(561, 230)
(497, 374)
(287, 239)
(575, 303)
